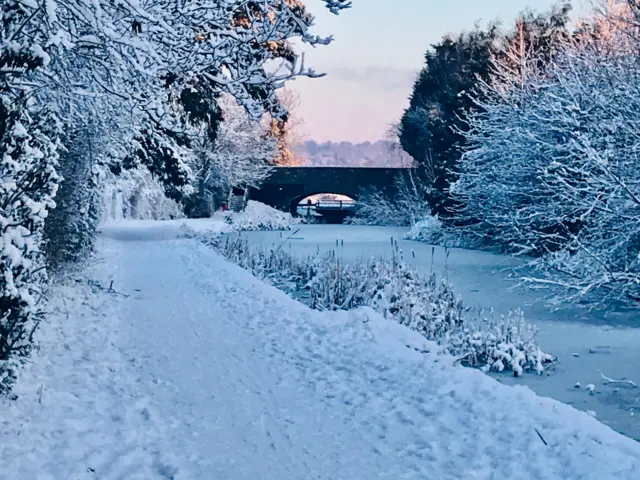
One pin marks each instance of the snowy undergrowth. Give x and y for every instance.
(394, 289)
(258, 216)
(431, 230)
(428, 230)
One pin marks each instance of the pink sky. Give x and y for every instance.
(377, 52)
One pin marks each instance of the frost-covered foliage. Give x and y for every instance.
(406, 206)
(552, 165)
(506, 344)
(382, 153)
(243, 151)
(240, 156)
(432, 128)
(389, 287)
(427, 230)
(213, 48)
(137, 194)
(71, 226)
(28, 183)
(429, 127)
(258, 216)
(71, 65)
(394, 289)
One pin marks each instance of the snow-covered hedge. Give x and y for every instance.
(258, 216)
(394, 289)
(428, 230)
(136, 194)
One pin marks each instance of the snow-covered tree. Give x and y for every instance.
(241, 156)
(595, 106)
(432, 130)
(88, 145)
(244, 151)
(552, 168)
(429, 128)
(138, 59)
(287, 133)
(136, 194)
(499, 178)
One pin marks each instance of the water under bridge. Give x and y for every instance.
(286, 187)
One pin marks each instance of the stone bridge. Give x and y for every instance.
(286, 187)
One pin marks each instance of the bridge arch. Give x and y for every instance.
(287, 186)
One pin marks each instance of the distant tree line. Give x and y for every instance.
(382, 153)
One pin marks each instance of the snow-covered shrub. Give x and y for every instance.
(407, 205)
(258, 216)
(376, 208)
(28, 183)
(507, 344)
(427, 230)
(394, 289)
(433, 231)
(136, 194)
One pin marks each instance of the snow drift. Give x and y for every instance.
(258, 216)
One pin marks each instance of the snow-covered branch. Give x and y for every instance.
(107, 84)
(551, 170)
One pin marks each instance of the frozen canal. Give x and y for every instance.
(585, 342)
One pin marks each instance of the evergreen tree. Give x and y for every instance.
(432, 129)
(70, 227)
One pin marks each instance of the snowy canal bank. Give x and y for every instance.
(195, 370)
(586, 343)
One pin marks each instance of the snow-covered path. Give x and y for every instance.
(211, 364)
(227, 378)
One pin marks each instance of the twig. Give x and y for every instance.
(286, 239)
(458, 359)
(108, 290)
(613, 380)
(541, 438)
